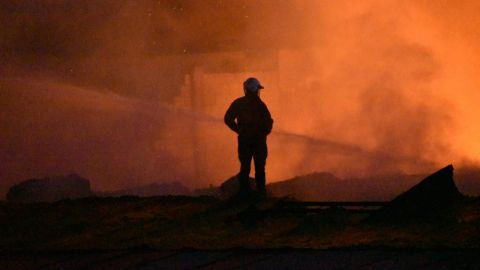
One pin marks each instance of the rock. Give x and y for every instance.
(428, 198)
(50, 189)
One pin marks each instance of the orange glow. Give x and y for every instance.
(134, 92)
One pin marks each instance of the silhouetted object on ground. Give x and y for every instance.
(230, 190)
(232, 186)
(249, 117)
(153, 189)
(430, 198)
(227, 189)
(50, 189)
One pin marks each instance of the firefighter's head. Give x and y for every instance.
(252, 86)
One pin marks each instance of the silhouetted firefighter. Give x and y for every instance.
(249, 117)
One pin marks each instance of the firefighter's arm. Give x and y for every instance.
(268, 121)
(229, 118)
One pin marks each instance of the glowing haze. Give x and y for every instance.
(131, 92)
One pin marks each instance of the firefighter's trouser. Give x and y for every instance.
(256, 148)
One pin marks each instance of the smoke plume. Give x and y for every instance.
(131, 92)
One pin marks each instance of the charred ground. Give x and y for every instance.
(431, 214)
(174, 222)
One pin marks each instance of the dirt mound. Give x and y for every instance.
(50, 189)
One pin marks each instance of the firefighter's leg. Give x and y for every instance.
(260, 158)
(245, 156)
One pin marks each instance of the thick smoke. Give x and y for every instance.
(369, 84)
(354, 87)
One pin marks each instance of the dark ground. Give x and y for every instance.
(373, 258)
(177, 232)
